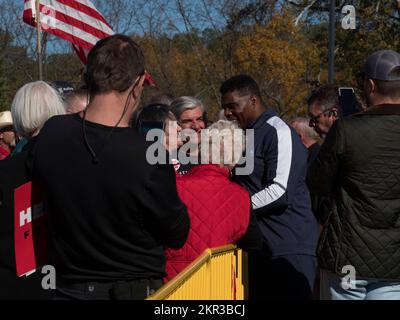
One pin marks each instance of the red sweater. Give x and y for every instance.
(219, 213)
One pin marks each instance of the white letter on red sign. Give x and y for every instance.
(25, 217)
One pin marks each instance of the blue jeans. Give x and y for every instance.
(365, 289)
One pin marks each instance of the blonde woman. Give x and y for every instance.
(219, 209)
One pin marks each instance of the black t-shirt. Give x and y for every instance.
(108, 221)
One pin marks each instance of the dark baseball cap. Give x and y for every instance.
(381, 66)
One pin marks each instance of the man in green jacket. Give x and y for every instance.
(359, 167)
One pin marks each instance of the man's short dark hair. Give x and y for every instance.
(162, 98)
(243, 84)
(114, 64)
(326, 97)
(155, 112)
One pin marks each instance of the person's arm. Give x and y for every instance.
(273, 199)
(165, 214)
(252, 239)
(323, 172)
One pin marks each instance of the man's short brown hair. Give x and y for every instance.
(114, 64)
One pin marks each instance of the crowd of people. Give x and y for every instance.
(323, 194)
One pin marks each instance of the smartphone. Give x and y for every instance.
(348, 102)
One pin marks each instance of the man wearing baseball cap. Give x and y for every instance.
(7, 135)
(359, 166)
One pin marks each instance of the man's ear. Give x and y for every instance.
(137, 90)
(335, 112)
(371, 86)
(254, 101)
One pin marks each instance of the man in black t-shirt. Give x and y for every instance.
(110, 211)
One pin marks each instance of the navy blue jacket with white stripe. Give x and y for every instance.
(278, 189)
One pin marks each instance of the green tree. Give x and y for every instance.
(282, 61)
(4, 99)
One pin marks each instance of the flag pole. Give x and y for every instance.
(39, 41)
(331, 50)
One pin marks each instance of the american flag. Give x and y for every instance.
(77, 21)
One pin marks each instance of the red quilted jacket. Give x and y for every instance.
(219, 213)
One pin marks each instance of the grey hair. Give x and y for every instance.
(326, 97)
(225, 141)
(303, 125)
(181, 104)
(33, 105)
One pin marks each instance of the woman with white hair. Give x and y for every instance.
(32, 106)
(219, 209)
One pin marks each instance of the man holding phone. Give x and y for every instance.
(323, 108)
(359, 167)
(329, 103)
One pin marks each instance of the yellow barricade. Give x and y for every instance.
(218, 274)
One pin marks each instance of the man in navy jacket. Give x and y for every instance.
(285, 268)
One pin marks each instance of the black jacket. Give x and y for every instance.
(13, 174)
(277, 185)
(359, 165)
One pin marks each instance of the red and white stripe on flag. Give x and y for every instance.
(77, 21)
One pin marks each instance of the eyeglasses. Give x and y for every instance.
(314, 119)
(7, 129)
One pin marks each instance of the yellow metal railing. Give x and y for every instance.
(218, 274)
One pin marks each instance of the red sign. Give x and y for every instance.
(30, 229)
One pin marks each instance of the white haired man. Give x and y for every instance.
(190, 114)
